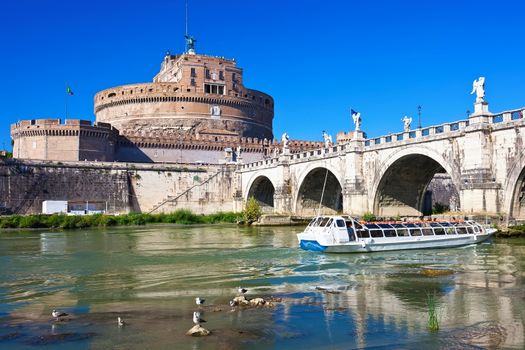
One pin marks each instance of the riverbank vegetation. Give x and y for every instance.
(512, 231)
(181, 216)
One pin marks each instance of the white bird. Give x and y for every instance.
(120, 322)
(199, 301)
(197, 318)
(57, 314)
(242, 290)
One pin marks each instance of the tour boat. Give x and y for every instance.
(343, 234)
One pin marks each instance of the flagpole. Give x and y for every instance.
(65, 101)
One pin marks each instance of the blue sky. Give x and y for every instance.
(317, 59)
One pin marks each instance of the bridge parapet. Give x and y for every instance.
(455, 129)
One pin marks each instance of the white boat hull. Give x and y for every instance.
(308, 242)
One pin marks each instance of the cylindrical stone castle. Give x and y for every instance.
(191, 95)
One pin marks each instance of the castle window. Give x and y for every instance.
(193, 73)
(214, 89)
(207, 73)
(193, 82)
(112, 95)
(221, 75)
(234, 77)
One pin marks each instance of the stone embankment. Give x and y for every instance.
(115, 188)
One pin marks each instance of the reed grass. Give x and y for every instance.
(433, 322)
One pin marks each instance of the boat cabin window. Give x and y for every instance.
(450, 231)
(439, 231)
(470, 229)
(476, 229)
(390, 233)
(340, 223)
(323, 221)
(461, 230)
(363, 234)
(402, 232)
(415, 232)
(358, 226)
(329, 222)
(427, 232)
(376, 233)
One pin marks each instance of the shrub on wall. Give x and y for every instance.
(369, 217)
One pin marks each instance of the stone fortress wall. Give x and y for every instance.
(73, 140)
(115, 187)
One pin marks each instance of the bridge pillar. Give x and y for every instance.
(355, 199)
(282, 198)
(479, 190)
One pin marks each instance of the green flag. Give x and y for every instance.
(69, 91)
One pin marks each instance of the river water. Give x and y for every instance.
(151, 275)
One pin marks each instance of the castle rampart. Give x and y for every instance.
(72, 140)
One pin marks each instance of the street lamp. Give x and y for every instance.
(419, 117)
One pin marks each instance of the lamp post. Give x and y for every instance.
(419, 116)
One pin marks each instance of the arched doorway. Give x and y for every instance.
(311, 191)
(415, 185)
(263, 191)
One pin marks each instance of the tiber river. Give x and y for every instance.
(151, 275)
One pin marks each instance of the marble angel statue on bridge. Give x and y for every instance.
(406, 123)
(327, 139)
(284, 142)
(478, 87)
(356, 116)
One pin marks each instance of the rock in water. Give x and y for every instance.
(198, 331)
(257, 302)
(241, 300)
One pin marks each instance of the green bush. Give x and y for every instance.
(12, 221)
(439, 208)
(107, 220)
(252, 211)
(369, 217)
(31, 221)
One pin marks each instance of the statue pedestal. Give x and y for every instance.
(481, 108)
(359, 135)
(481, 113)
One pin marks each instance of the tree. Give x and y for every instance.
(252, 211)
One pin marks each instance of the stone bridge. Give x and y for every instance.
(389, 175)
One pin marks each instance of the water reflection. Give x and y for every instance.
(150, 275)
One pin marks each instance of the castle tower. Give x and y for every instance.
(193, 94)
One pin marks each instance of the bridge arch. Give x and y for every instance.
(263, 190)
(310, 190)
(514, 186)
(400, 185)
